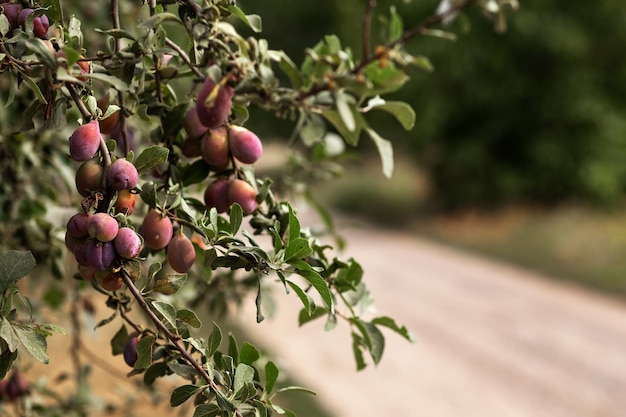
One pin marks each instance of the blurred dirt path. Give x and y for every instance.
(492, 340)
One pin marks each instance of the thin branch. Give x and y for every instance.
(174, 339)
(115, 16)
(367, 27)
(184, 57)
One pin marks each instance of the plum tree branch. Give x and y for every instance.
(175, 340)
(115, 16)
(367, 27)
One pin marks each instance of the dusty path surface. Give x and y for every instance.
(492, 340)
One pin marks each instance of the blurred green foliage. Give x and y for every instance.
(532, 115)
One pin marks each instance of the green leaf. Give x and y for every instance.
(236, 217)
(243, 374)
(5, 26)
(350, 136)
(248, 354)
(215, 340)
(195, 173)
(144, 352)
(317, 281)
(116, 33)
(383, 80)
(108, 79)
(118, 343)
(296, 388)
(156, 370)
(207, 410)
(34, 343)
(14, 265)
(8, 335)
(252, 20)
(345, 104)
(402, 111)
(166, 310)
(373, 338)
(294, 225)
(385, 149)
(290, 69)
(233, 350)
(271, 375)
(391, 324)
(348, 278)
(169, 284)
(358, 353)
(189, 317)
(157, 20)
(151, 157)
(307, 301)
(396, 27)
(297, 249)
(6, 360)
(183, 370)
(43, 53)
(182, 394)
(305, 316)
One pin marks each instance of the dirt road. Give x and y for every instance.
(492, 340)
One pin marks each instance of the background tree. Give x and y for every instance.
(124, 148)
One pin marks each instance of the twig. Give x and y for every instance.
(367, 27)
(76, 343)
(184, 57)
(174, 339)
(115, 15)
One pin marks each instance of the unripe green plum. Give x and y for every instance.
(244, 194)
(125, 202)
(215, 114)
(77, 225)
(192, 125)
(180, 253)
(100, 255)
(244, 145)
(122, 175)
(127, 243)
(214, 147)
(89, 177)
(216, 195)
(130, 351)
(85, 141)
(156, 230)
(102, 227)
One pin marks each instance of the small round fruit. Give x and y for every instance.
(191, 147)
(16, 386)
(214, 148)
(87, 272)
(80, 251)
(156, 230)
(127, 243)
(180, 253)
(244, 194)
(85, 141)
(216, 195)
(77, 225)
(130, 351)
(102, 227)
(192, 125)
(245, 146)
(214, 113)
(100, 255)
(89, 177)
(71, 241)
(40, 23)
(125, 202)
(111, 123)
(12, 11)
(122, 175)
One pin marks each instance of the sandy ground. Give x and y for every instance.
(492, 340)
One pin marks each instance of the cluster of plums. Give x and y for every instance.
(16, 15)
(13, 387)
(218, 145)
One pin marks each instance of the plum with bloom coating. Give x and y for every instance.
(85, 141)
